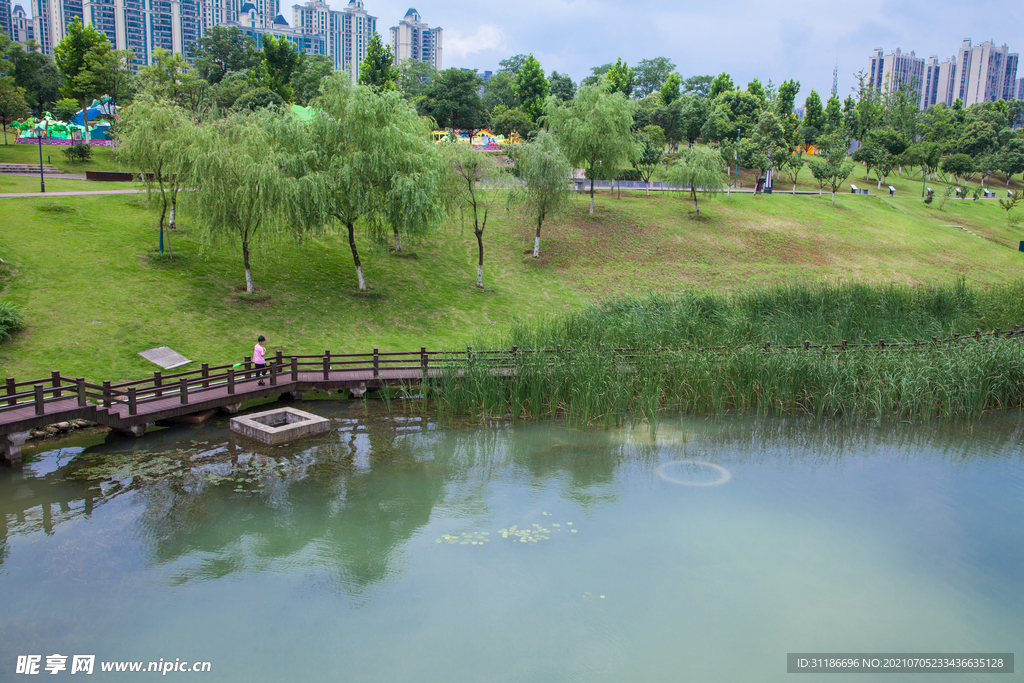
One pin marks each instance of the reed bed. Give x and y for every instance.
(568, 368)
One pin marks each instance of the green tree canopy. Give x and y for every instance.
(413, 77)
(505, 121)
(594, 132)
(155, 137)
(172, 78)
(652, 141)
(365, 157)
(651, 75)
(722, 84)
(670, 89)
(224, 49)
(479, 180)
(546, 189)
(36, 73)
(452, 100)
(12, 103)
(698, 85)
(238, 190)
(621, 79)
(532, 88)
(256, 99)
(562, 86)
(786, 97)
(306, 81)
(279, 61)
(958, 165)
(81, 59)
(700, 169)
(814, 118)
(378, 69)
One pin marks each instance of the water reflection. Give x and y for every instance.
(346, 504)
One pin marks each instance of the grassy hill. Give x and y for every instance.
(83, 271)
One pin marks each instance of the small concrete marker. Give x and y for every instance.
(165, 357)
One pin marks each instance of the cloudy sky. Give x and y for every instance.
(778, 40)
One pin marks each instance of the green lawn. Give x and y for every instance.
(16, 183)
(93, 295)
(102, 158)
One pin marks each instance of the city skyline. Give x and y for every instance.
(571, 37)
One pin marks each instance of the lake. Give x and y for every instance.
(397, 549)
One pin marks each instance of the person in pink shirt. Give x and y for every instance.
(259, 358)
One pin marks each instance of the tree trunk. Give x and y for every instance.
(163, 214)
(794, 188)
(833, 197)
(648, 188)
(85, 122)
(536, 239)
(248, 270)
(355, 255)
(398, 241)
(480, 264)
(591, 192)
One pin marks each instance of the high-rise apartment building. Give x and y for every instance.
(889, 72)
(987, 72)
(6, 22)
(345, 33)
(21, 25)
(174, 25)
(1020, 88)
(930, 84)
(948, 84)
(413, 39)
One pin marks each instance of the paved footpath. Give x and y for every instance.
(8, 195)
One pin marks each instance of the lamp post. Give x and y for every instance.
(42, 182)
(924, 179)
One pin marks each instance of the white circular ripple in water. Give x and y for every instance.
(723, 474)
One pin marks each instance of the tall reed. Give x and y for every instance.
(587, 383)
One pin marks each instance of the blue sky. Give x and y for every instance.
(779, 40)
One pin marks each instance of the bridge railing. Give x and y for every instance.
(189, 386)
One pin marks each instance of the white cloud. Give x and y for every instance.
(487, 37)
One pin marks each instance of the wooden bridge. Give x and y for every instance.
(128, 407)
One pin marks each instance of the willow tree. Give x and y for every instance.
(237, 188)
(155, 138)
(700, 169)
(546, 188)
(479, 180)
(594, 132)
(365, 157)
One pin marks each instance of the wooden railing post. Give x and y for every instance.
(206, 375)
(132, 407)
(183, 383)
(280, 357)
(469, 353)
(295, 369)
(80, 382)
(106, 393)
(248, 367)
(423, 360)
(40, 407)
(376, 362)
(273, 374)
(231, 380)
(55, 381)
(327, 363)
(158, 382)
(11, 390)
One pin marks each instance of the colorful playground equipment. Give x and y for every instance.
(483, 139)
(55, 132)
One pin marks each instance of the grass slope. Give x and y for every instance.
(93, 295)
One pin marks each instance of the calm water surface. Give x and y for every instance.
(393, 549)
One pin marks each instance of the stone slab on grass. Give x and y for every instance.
(165, 357)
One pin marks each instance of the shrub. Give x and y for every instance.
(78, 152)
(11, 319)
(630, 174)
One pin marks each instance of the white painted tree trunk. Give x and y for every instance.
(833, 198)
(398, 241)
(362, 282)
(172, 223)
(591, 203)
(536, 247)
(480, 277)
(248, 279)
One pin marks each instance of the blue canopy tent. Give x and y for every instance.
(103, 106)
